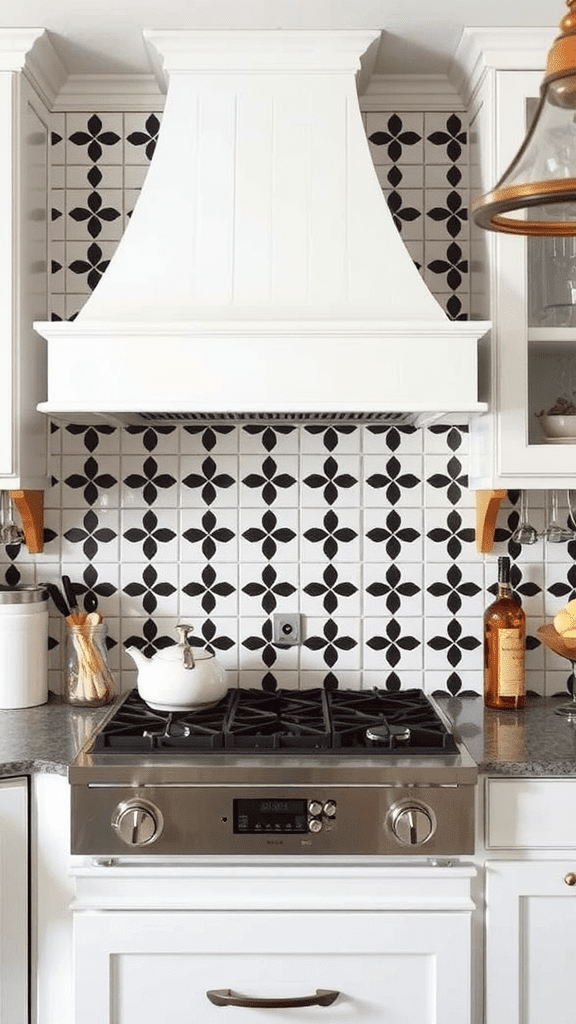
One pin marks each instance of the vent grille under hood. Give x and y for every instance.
(261, 273)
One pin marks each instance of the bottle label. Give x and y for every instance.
(511, 653)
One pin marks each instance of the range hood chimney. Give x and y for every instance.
(261, 274)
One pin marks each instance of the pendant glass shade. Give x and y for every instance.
(537, 193)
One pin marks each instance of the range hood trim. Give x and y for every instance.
(273, 367)
(320, 51)
(294, 326)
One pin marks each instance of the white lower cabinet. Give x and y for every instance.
(531, 942)
(530, 879)
(13, 901)
(388, 968)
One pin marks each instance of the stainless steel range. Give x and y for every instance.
(342, 772)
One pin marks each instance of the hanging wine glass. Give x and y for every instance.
(10, 532)
(524, 533)
(571, 499)
(556, 532)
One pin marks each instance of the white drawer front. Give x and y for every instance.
(530, 813)
(145, 968)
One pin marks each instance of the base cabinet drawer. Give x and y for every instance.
(530, 814)
(142, 968)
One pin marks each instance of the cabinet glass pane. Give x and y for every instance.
(551, 388)
(551, 352)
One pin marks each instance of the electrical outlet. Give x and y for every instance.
(287, 628)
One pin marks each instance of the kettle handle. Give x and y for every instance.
(187, 653)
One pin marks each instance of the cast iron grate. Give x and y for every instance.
(289, 721)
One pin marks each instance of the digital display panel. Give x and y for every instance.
(270, 815)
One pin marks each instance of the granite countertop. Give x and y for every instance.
(46, 738)
(532, 741)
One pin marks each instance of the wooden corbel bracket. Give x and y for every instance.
(30, 506)
(487, 506)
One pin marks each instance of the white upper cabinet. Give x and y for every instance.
(529, 362)
(23, 256)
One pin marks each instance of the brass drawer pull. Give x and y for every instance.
(570, 878)
(224, 997)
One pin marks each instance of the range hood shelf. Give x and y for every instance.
(261, 274)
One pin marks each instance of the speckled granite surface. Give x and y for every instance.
(533, 741)
(46, 738)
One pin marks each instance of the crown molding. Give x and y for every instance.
(44, 69)
(410, 92)
(30, 51)
(483, 49)
(109, 92)
(15, 45)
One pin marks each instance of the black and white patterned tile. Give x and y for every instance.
(334, 535)
(389, 586)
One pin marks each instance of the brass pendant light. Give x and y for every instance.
(537, 193)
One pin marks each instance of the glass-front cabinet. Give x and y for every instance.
(526, 287)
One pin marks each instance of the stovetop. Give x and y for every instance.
(327, 771)
(316, 721)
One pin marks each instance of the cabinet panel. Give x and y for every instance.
(524, 813)
(530, 942)
(13, 901)
(24, 281)
(6, 281)
(139, 968)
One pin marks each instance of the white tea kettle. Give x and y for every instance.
(179, 678)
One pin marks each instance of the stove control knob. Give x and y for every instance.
(314, 825)
(412, 824)
(315, 808)
(330, 808)
(137, 822)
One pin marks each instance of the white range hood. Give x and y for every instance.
(261, 273)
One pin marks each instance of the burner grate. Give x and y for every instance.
(355, 711)
(138, 728)
(289, 721)
(278, 720)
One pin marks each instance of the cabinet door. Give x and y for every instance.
(530, 942)
(532, 361)
(13, 902)
(388, 968)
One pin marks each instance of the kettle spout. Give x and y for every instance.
(137, 656)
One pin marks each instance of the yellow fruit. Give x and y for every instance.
(565, 620)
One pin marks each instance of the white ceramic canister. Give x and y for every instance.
(23, 646)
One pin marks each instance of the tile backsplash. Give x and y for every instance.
(368, 531)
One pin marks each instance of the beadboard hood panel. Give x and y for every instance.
(261, 273)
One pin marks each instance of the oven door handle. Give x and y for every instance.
(225, 997)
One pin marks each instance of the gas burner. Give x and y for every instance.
(321, 721)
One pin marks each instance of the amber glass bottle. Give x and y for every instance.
(504, 646)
